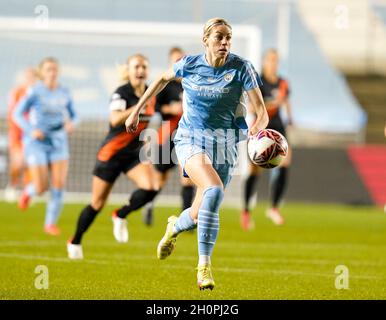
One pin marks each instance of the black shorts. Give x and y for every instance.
(164, 164)
(277, 124)
(110, 170)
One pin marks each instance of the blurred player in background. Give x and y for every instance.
(276, 92)
(18, 173)
(213, 83)
(120, 153)
(51, 118)
(169, 102)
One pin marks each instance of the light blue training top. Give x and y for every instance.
(211, 95)
(47, 109)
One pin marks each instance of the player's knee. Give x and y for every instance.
(213, 197)
(149, 185)
(144, 196)
(98, 203)
(40, 189)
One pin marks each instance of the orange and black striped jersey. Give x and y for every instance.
(272, 91)
(119, 143)
(171, 93)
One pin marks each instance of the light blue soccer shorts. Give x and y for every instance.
(43, 152)
(223, 156)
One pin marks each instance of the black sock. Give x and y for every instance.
(137, 200)
(86, 217)
(278, 186)
(187, 194)
(249, 189)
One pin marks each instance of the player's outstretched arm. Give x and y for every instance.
(258, 107)
(156, 87)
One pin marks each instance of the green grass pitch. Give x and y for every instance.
(295, 261)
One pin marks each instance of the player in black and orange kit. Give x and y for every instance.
(276, 93)
(169, 105)
(120, 153)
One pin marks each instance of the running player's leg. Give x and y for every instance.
(143, 176)
(278, 186)
(37, 161)
(250, 186)
(161, 176)
(278, 181)
(58, 155)
(59, 170)
(37, 186)
(176, 225)
(187, 192)
(100, 192)
(202, 173)
(104, 177)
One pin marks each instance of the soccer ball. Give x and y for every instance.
(267, 148)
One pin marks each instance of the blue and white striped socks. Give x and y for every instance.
(54, 206)
(208, 222)
(184, 222)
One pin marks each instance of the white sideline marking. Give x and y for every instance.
(237, 270)
(238, 244)
(252, 260)
(54, 259)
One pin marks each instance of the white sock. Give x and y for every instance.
(203, 260)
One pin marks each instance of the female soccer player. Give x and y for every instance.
(207, 136)
(17, 167)
(51, 118)
(276, 94)
(169, 102)
(120, 153)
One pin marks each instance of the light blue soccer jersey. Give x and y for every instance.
(211, 95)
(47, 109)
(210, 99)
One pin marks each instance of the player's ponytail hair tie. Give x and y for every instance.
(214, 22)
(123, 69)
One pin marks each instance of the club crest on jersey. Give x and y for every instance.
(228, 77)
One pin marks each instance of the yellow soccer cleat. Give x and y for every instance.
(204, 277)
(168, 242)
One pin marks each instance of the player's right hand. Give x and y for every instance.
(37, 134)
(131, 122)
